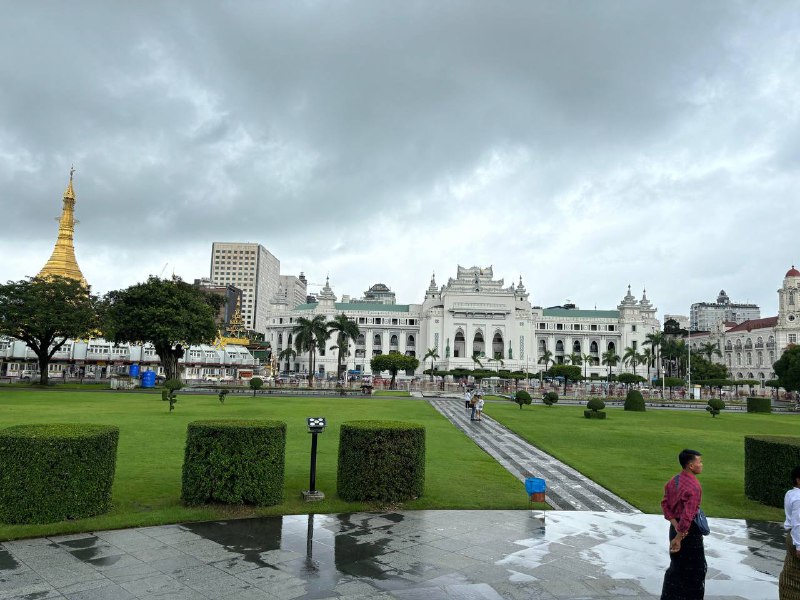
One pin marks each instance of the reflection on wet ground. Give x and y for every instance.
(405, 555)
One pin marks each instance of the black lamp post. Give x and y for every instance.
(316, 425)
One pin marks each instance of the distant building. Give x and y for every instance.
(231, 294)
(681, 320)
(379, 293)
(704, 316)
(254, 270)
(292, 290)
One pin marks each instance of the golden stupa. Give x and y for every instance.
(235, 331)
(62, 262)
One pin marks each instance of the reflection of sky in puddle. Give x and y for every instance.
(634, 546)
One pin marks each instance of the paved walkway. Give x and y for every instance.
(414, 555)
(567, 489)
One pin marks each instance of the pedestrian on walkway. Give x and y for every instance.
(474, 405)
(789, 582)
(685, 578)
(467, 400)
(479, 407)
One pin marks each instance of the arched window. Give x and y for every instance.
(749, 357)
(280, 339)
(759, 358)
(738, 344)
(612, 347)
(497, 345)
(376, 341)
(361, 340)
(576, 347)
(738, 359)
(791, 298)
(289, 339)
(728, 345)
(542, 345)
(478, 346)
(593, 348)
(771, 357)
(559, 346)
(459, 345)
(393, 340)
(410, 340)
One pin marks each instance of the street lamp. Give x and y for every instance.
(316, 425)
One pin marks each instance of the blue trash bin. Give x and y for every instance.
(148, 379)
(134, 370)
(536, 487)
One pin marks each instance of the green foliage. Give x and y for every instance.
(256, 383)
(704, 369)
(433, 354)
(44, 312)
(381, 461)
(56, 472)
(630, 378)
(170, 387)
(394, 362)
(222, 395)
(568, 372)
(310, 335)
(594, 414)
(634, 401)
(522, 397)
(167, 312)
(715, 406)
(759, 405)
(234, 462)
(670, 382)
(595, 404)
(173, 385)
(787, 368)
(550, 398)
(345, 330)
(768, 462)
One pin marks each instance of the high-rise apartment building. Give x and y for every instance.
(293, 290)
(254, 270)
(704, 316)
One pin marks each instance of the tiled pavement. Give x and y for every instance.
(567, 489)
(428, 555)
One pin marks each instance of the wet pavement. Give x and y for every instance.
(428, 555)
(567, 489)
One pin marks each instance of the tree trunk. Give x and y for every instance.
(44, 362)
(169, 359)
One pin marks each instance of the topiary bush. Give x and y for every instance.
(168, 393)
(256, 383)
(768, 460)
(759, 405)
(381, 461)
(235, 462)
(595, 406)
(715, 406)
(634, 401)
(522, 397)
(56, 472)
(550, 398)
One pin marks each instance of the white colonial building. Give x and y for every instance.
(473, 315)
(749, 349)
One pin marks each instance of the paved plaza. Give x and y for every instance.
(411, 555)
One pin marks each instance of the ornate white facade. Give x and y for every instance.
(473, 315)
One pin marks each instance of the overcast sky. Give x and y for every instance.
(582, 145)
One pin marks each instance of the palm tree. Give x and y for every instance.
(287, 354)
(632, 357)
(647, 358)
(655, 340)
(345, 330)
(610, 358)
(587, 360)
(433, 355)
(546, 358)
(309, 336)
(710, 349)
(574, 359)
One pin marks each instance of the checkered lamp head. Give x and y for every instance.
(316, 424)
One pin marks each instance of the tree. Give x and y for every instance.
(310, 335)
(703, 369)
(787, 368)
(574, 359)
(550, 398)
(587, 360)
(632, 357)
(610, 359)
(522, 397)
(568, 372)
(546, 358)
(169, 313)
(710, 350)
(393, 362)
(715, 405)
(629, 378)
(433, 355)
(670, 382)
(288, 354)
(44, 313)
(647, 358)
(672, 327)
(654, 340)
(256, 383)
(345, 330)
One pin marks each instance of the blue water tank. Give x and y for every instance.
(134, 370)
(149, 379)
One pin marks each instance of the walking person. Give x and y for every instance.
(467, 400)
(474, 405)
(789, 582)
(479, 407)
(685, 578)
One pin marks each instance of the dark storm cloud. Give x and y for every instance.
(544, 138)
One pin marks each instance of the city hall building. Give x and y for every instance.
(472, 316)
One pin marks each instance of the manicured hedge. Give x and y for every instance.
(594, 414)
(634, 401)
(381, 461)
(234, 462)
(759, 405)
(56, 472)
(768, 461)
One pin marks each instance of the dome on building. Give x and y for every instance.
(379, 287)
(792, 272)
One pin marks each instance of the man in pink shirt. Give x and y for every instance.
(685, 578)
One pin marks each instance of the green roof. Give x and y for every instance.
(346, 307)
(567, 313)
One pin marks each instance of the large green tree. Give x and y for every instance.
(169, 313)
(310, 335)
(345, 330)
(44, 313)
(787, 368)
(393, 362)
(703, 369)
(568, 372)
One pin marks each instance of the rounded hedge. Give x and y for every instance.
(594, 414)
(595, 404)
(382, 461)
(759, 405)
(768, 461)
(550, 398)
(56, 472)
(634, 401)
(234, 462)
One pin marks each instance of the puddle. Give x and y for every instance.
(7, 562)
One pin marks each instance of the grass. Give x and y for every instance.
(391, 393)
(148, 479)
(634, 453)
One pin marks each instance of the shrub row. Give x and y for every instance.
(56, 472)
(768, 460)
(759, 405)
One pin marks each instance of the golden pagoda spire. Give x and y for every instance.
(62, 262)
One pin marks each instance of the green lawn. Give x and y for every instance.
(391, 393)
(148, 479)
(634, 453)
